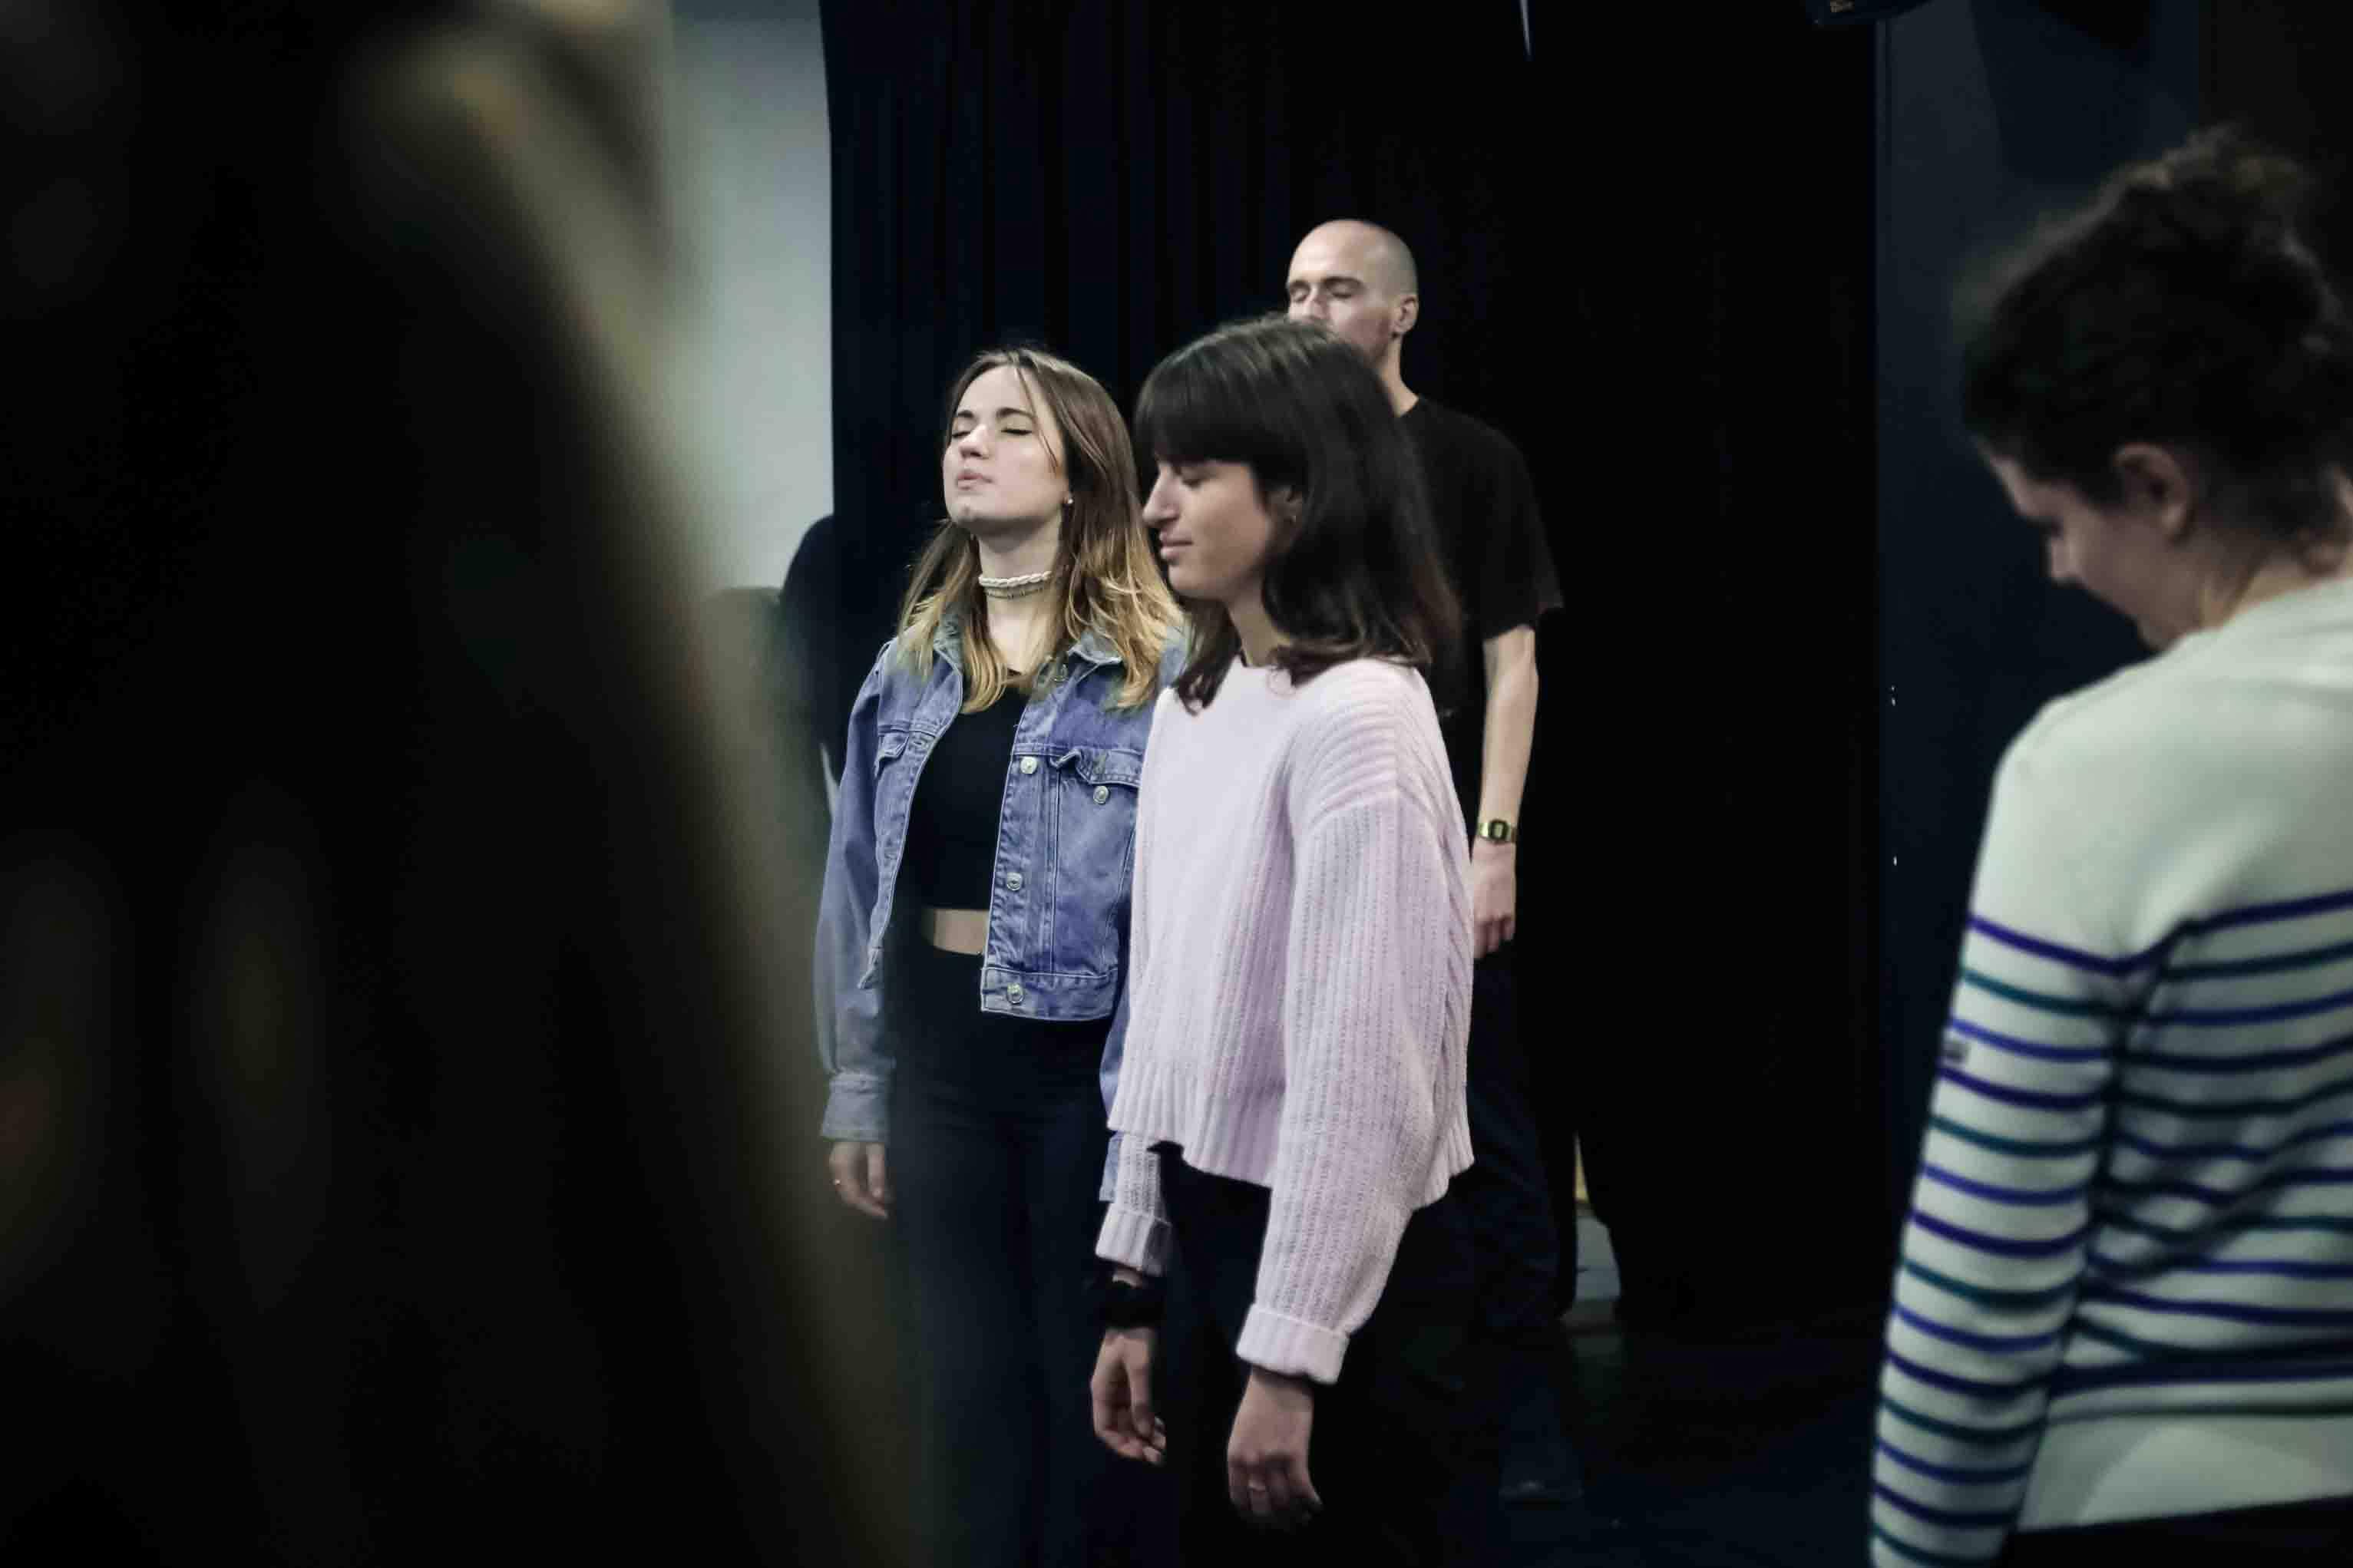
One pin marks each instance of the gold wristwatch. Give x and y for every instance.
(1495, 830)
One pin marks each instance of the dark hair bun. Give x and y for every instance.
(2182, 306)
(2224, 210)
(2223, 182)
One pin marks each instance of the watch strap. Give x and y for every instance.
(1119, 1305)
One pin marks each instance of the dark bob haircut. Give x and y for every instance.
(1354, 570)
(2182, 307)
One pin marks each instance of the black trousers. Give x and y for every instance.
(1389, 1439)
(1520, 1360)
(2299, 1533)
(1507, 1195)
(995, 1152)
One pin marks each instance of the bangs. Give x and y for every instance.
(1194, 409)
(1352, 568)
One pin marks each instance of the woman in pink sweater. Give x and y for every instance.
(1291, 1111)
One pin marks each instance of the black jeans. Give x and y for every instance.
(2299, 1533)
(1389, 1439)
(996, 1152)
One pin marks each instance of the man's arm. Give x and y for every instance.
(1509, 735)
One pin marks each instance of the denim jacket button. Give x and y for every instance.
(1013, 993)
(1029, 764)
(1102, 793)
(1013, 880)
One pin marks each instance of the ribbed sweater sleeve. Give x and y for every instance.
(1994, 1248)
(1379, 948)
(1136, 1230)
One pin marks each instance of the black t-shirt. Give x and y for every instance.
(951, 858)
(1488, 528)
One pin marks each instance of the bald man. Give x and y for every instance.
(1359, 279)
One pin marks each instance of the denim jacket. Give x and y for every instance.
(1058, 901)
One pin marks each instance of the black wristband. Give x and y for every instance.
(1120, 1305)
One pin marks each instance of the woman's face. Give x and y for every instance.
(2118, 554)
(1214, 528)
(1002, 471)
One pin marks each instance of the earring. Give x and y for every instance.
(1067, 500)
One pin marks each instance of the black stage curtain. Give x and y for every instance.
(1709, 712)
(1645, 256)
(1111, 180)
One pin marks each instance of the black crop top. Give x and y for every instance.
(952, 830)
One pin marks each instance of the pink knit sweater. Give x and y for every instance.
(1300, 994)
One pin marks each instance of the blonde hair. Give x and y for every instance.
(1105, 578)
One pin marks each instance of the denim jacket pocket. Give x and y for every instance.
(1093, 854)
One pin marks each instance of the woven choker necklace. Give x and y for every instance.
(1015, 587)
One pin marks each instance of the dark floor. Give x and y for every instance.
(1711, 1452)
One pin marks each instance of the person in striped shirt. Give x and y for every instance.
(2123, 1318)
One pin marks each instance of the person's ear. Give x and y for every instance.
(1286, 503)
(1408, 311)
(2159, 484)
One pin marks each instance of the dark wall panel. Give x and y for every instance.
(1991, 113)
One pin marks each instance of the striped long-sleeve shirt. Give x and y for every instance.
(2127, 1279)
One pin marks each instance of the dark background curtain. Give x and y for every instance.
(1112, 180)
(1701, 267)
(1646, 256)
(1708, 713)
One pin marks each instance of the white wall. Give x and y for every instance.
(754, 182)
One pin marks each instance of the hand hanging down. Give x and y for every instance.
(1266, 1458)
(1121, 1389)
(860, 1177)
(1495, 896)
(1266, 1455)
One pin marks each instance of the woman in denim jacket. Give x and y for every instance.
(972, 941)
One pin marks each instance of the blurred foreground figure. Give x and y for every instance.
(2123, 1321)
(396, 999)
